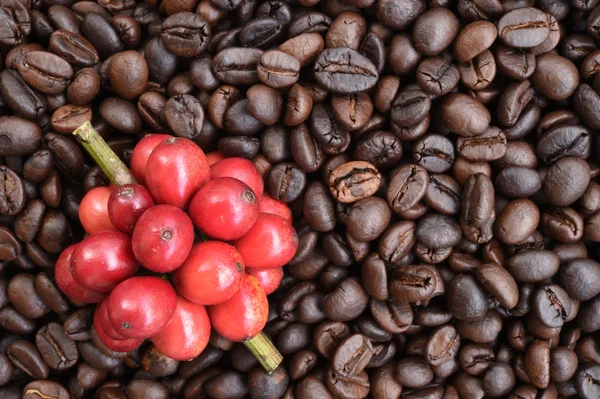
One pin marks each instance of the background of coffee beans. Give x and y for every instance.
(440, 159)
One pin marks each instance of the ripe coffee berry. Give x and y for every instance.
(224, 208)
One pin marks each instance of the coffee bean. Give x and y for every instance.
(545, 78)
(261, 32)
(437, 75)
(517, 221)
(26, 142)
(533, 265)
(551, 305)
(352, 355)
(478, 73)
(474, 39)
(566, 180)
(356, 386)
(278, 69)
(346, 302)
(45, 72)
(344, 71)
(25, 357)
(477, 200)
(24, 296)
(185, 34)
(57, 350)
(467, 299)
(434, 152)
(354, 181)
(45, 389)
(524, 28)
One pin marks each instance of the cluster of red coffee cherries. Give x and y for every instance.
(211, 245)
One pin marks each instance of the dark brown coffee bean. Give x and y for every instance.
(45, 72)
(12, 192)
(185, 34)
(25, 298)
(42, 389)
(19, 137)
(57, 350)
(524, 27)
(344, 71)
(352, 355)
(474, 39)
(346, 302)
(467, 299)
(499, 283)
(25, 357)
(533, 265)
(354, 181)
(517, 221)
(278, 69)
(413, 284)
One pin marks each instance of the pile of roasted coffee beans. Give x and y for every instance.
(439, 158)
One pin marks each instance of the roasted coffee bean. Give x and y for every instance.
(413, 372)
(533, 265)
(344, 71)
(346, 302)
(564, 191)
(354, 181)
(524, 28)
(517, 221)
(185, 34)
(278, 69)
(438, 231)
(44, 389)
(45, 72)
(357, 385)
(352, 355)
(24, 296)
(467, 299)
(57, 350)
(413, 284)
(12, 193)
(434, 152)
(26, 358)
(20, 97)
(477, 200)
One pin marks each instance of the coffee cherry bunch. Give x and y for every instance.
(210, 243)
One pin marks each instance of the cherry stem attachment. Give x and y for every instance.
(118, 173)
(105, 157)
(263, 349)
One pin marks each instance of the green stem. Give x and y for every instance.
(109, 162)
(263, 349)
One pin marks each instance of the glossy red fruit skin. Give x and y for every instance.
(268, 204)
(67, 284)
(211, 274)
(103, 260)
(117, 345)
(187, 334)
(241, 169)
(141, 153)
(269, 279)
(224, 208)
(140, 307)
(93, 210)
(126, 204)
(214, 157)
(176, 169)
(162, 238)
(270, 244)
(102, 322)
(243, 315)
